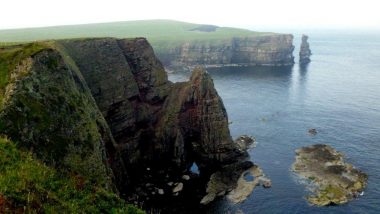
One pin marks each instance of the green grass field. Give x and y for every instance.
(158, 32)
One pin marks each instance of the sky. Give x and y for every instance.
(234, 13)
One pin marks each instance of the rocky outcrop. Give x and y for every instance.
(104, 108)
(305, 51)
(238, 179)
(257, 50)
(334, 181)
(224, 181)
(245, 186)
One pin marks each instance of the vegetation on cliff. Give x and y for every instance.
(10, 57)
(48, 110)
(29, 186)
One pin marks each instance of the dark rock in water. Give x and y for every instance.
(305, 51)
(312, 131)
(265, 182)
(335, 181)
(245, 142)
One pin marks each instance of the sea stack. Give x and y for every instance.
(305, 51)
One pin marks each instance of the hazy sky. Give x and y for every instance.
(243, 13)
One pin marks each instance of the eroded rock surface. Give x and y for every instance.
(224, 181)
(236, 180)
(335, 181)
(245, 187)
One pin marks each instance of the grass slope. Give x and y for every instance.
(29, 186)
(156, 31)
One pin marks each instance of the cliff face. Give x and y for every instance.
(153, 120)
(49, 110)
(104, 108)
(260, 50)
(305, 51)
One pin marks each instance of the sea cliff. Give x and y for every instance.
(178, 44)
(103, 109)
(273, 50)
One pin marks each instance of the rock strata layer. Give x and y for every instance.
(257, 50)
(334, 181)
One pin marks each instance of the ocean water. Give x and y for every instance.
(338, 94)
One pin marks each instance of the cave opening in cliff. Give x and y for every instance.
(194, 168)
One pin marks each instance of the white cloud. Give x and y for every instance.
(289, 13)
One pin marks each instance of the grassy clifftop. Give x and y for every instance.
(156, 31)
(176, 43)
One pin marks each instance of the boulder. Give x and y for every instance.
(185, 177)
(178, 187)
